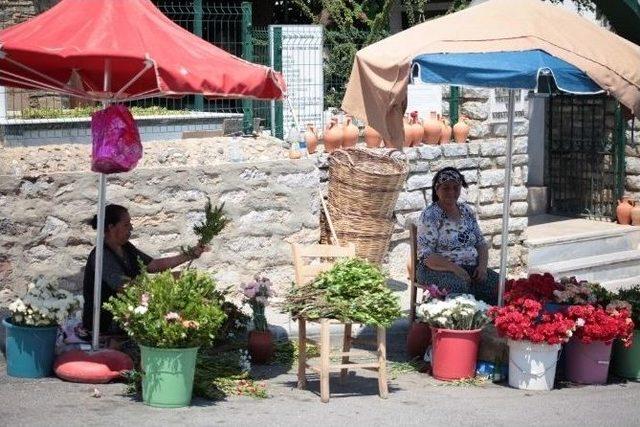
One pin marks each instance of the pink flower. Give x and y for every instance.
(171, 316)
(144, 299)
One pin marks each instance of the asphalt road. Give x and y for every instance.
(415, 399)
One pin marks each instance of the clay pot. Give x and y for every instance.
(349, 133)
(432, 129)
(408, 132)
(311, 138)
(623, 211)
(372, 138)
(418, 340)
(294, 153)
(260, 346)
(461, 130)
(332, 136)
(447, 131)
(635, 213)
(418, 131)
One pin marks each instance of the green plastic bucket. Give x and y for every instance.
(626, 361)
(167, 376)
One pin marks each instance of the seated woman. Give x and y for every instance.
(120, 264)
(452, 252)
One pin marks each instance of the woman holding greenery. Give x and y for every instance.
(121, 264)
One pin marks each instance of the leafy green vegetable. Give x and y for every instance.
(353, 291)
(214, 223)
(632, 296)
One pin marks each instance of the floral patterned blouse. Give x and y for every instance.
(455, 240)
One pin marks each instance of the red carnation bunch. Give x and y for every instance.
(594, 323)
(523, 320)
(538, 287)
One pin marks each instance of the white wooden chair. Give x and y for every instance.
(328, 255)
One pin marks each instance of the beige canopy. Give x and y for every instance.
(377, 89)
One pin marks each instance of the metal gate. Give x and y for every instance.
(584, 156)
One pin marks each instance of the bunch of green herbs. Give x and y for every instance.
(214, 222)
(353, 291)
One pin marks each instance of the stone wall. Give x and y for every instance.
(632, 159)
(272, 203)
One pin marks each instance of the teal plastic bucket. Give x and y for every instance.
(30, 350)
(167, 376)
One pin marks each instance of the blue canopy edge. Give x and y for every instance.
(512, 70)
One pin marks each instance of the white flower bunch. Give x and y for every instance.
(461, 312)
(44, 305)
(244, 361)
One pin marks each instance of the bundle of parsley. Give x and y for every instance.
(214, 222)
(353, 291)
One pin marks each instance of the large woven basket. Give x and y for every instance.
(370, 235)
(365, 183)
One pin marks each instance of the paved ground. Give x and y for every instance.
(415, 399)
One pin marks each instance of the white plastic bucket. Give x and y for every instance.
(532, 366)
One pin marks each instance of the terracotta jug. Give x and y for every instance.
(371, 137)
(445, 136)
(408, 131)
(432, 129)
(418, 131)
(635, 213)
(349, 133)
(332, 136)
(260, 346)
(461, 130)
(311, 138)
(623, 211)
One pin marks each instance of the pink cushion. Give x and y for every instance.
(97, 367)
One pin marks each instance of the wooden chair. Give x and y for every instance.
(306, 272)
(413, 273)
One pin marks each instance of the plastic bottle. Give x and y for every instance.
(234, 150)
(302, 143)
(293, 136)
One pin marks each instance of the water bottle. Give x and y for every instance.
(292, 137)
(302, 143)
(234, 150)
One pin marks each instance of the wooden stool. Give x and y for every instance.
(306, 272)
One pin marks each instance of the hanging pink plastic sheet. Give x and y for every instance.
(116, 140)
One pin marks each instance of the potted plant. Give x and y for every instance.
(256, 294)
(456, 324)
(169, 317)
(626, 359)
(419, 336)
(534, 338)
(32, 327)
(589, 351)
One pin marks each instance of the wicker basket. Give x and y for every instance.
(370, 235)
(365, 183)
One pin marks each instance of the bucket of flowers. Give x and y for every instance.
(589, 351)
(32, 327)
(256, 294)
(626, 359)
(534, 339)
(456, 325)
(169, 317)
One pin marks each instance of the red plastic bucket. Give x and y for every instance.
(454, 353)
(587, 363)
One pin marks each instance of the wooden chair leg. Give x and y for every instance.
(325, 351)
(382, 363)
(412, 302)
(346, 346)
(302, 354)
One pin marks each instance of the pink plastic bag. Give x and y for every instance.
(116, 140)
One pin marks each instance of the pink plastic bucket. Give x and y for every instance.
(587, 363)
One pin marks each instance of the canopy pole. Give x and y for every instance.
(506, 199)
(102, 192)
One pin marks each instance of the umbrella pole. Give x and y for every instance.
(102, 192)
(506, 200)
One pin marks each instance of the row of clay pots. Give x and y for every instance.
(434, 130)
(628, 212)
(340, 136)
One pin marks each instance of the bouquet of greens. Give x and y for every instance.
(352, 291)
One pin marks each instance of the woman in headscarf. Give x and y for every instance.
(452, 252)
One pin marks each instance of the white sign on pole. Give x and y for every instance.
(424, 98)
(302, 68)
(498, 106)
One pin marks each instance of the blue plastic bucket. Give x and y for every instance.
(30, 350)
